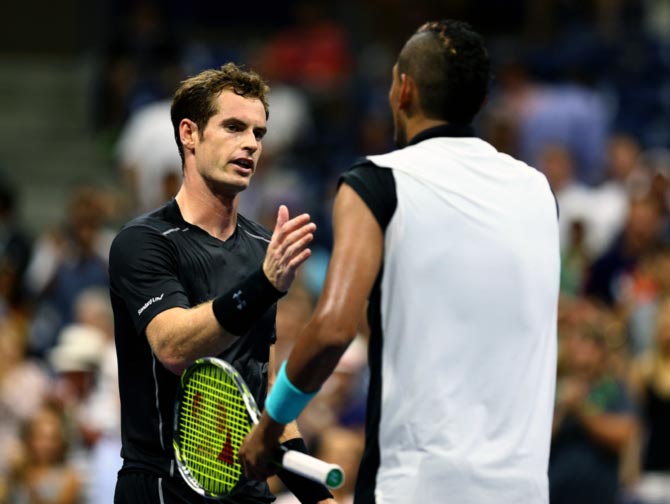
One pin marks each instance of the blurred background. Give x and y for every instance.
(580, 90)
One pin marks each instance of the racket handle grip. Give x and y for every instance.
(313, 468)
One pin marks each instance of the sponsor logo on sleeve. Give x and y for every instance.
(150, 302)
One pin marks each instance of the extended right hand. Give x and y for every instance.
(288, 248)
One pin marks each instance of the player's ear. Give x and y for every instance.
(406, 92)
(188, 131)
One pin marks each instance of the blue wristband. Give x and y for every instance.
(286, 401)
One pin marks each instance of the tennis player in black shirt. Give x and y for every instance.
(194, 278)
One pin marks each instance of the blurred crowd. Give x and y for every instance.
(580, 91)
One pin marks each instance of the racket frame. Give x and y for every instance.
(329, 474)
(252, 411)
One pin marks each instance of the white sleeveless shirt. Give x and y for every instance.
(469, 294)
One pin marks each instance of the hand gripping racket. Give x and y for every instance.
(214, 411)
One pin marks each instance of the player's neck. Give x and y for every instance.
(419, 123)
(216, 214)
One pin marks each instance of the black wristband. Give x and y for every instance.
(242, 306)
(306, 490)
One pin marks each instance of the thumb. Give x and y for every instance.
(282, 216)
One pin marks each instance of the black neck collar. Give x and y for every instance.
(444, 130)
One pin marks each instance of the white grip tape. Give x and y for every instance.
(310, 467)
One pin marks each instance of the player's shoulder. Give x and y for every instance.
(367, 176)
(508, 159)
(365, 168)
(159, 222)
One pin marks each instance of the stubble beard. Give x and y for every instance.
(227, 188)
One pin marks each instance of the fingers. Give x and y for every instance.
(283, 247)
(297, 261)
(282, 217)
(288, 248)
(256, 474)
(283, 233)
(298, 240)
(251, 472)
(254, 463)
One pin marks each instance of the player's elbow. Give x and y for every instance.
(175, 368)
(334, 331)
(169, 340)
(171, 360)
(168, 353)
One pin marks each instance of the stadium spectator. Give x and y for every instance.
(611, 277)
(24, 385)
(66, 261)
(594, 420)
(42, 474)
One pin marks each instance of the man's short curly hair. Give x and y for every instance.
(195, 98)
(450, 66)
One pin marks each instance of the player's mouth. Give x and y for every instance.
(246, 164)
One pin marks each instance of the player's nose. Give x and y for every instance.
(250, 142)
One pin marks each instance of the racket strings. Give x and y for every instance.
(213, 424)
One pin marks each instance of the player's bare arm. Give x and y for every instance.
(178, 336)
(354, 265)
(357, 257)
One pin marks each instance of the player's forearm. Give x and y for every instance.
(315, 355)
(318, 350)
(184, 335)
(179, 336)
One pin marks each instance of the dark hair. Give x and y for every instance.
(195, 98)
(450, 66)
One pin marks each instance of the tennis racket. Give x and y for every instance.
(214, 411)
